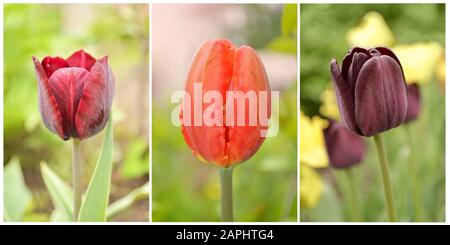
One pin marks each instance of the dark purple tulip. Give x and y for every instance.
(413, 102)
(344, 147)
(370, 90)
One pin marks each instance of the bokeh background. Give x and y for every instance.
(184, 188)
(416, 33)
(120, 31)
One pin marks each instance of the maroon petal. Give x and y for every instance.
(358, 61)
(348, 60)
(67, 86)
(388, 52)
(51, 64)
(413, 102)
(81, 59)
(95, 104)
(344, 97)
(344, 147)
(47, 104)
(380, 96)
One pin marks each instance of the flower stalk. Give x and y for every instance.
(384, 166)
(76, 178)
(226, 182)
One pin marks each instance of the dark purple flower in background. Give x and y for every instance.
(370, 90)
(345, 148)
(413, 102)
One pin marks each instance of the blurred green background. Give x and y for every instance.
(265, 187)
(324, 32)
(120, 31)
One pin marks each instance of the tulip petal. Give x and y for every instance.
(344, 97)
(358, 61)
(51, 64)
(388, 52)
(344, 147)
(96, 100)
(195, 72)
(47, 104)
(212, 67)
(348, 60)
(380, 94)
(413, 102)
(81, 59)
(67, 87)
(249, 76)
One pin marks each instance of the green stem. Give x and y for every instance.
(353, 198)
(415, 186)
(226, 182)
(76, 177)
(384, 166)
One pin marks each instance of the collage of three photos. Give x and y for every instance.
(224, 113)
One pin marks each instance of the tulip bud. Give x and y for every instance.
(370, 90)
(75, 94)
(413, 102)
(344, 147)
(222, 68)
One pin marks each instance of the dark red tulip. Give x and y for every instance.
(75, 94)
(345, 148)
(370, 90)
(220, 66)
(413, 102)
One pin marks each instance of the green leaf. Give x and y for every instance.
(95, 203)
(60, 193)
(16, 194)
(125, 202)
(289, 20)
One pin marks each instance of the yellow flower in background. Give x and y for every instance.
(372, 31)
(419, 60)
(313, 154)
(311, 187)
(312, 144)
(329, 107)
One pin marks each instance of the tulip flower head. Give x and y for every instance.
(220, 68)
(344, 148)
(413, 102)
(371, 90)
(75, 94)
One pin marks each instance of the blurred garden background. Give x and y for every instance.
(184, 188)
(416, 33)
(119, 31)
